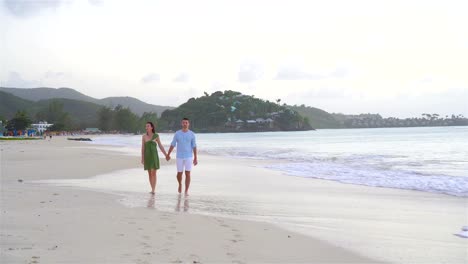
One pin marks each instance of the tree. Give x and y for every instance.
(125, 120)
(21, 121)
(148, 117)
(55, 114)
(105, 118)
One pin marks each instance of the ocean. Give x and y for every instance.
(428, 159)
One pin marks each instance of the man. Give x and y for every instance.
(186, 144)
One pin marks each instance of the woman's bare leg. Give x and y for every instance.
(152, 179)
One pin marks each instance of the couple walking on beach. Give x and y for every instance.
(184, 141)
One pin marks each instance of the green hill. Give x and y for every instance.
(82, 114)
(10, 104)
(232, 111)
(37, 94)
(136, 106)
(43, 93)
(317, 117)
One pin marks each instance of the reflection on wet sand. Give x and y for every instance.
(151, 201)
(179, 202)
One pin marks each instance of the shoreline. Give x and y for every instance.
(54, 224)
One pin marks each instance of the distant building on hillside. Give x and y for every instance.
(41, 126)
(92, 130)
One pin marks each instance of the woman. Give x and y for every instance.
(149, 153)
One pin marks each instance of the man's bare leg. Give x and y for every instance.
(179, 179)
(187, 182)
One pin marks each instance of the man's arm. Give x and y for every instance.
(171, 148)
(194, 148)
(195, 159)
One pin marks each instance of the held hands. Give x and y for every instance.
(168, 157)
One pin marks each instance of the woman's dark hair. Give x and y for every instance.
(152, 125)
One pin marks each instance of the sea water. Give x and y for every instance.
(428, 159)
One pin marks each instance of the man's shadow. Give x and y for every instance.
(179, 203)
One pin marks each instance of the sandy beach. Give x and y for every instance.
(333, 223)
(44, 224)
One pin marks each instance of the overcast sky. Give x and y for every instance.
(397, 58)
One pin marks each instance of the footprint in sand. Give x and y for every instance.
(146, 245)
(165, 251)
(35, 259)
(139, 261)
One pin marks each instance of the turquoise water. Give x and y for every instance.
(430, 159)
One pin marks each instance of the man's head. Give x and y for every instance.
(185, 123)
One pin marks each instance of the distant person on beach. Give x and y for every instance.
(149, 153)
(185, 142)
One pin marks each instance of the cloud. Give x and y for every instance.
(96, 2)
(339, 73)
(15, 80)
(183, 77)
(26, 8)
(250, 72)
(54, 75)
(294, 73)
(152, 77)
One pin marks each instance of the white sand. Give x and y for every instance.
(47, 224)
(383, 224)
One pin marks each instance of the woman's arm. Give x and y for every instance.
(161, 147)
(142, 149)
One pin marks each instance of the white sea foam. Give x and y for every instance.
(423, 159)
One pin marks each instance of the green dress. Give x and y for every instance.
(151, 154)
